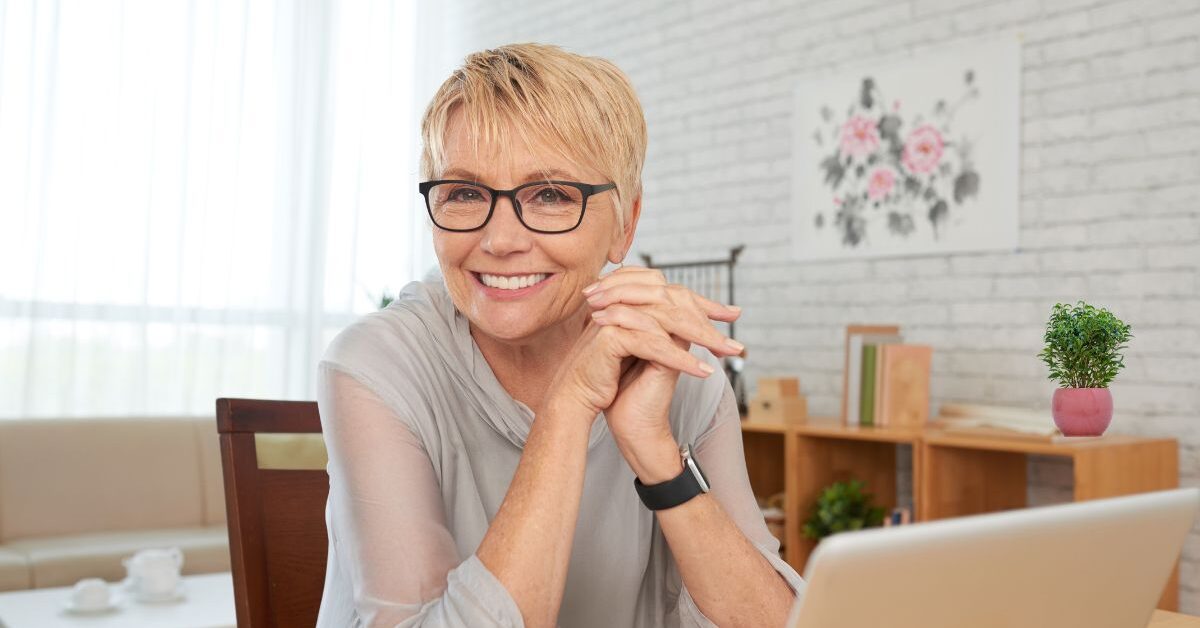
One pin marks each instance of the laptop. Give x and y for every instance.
(1097, 564)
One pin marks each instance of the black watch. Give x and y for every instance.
(688, 484)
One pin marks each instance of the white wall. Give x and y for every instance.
(1109, 200)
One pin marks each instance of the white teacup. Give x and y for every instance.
(158, 583)
(154, 572)
(90, 594)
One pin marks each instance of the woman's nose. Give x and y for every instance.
(504, 233)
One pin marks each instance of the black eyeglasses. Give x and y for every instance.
(542, 206)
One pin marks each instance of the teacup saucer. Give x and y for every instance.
(160, 598)
(114, 602)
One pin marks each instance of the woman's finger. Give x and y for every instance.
(627, 317)
(637, 319)
(657, 347)
(646, 294)
(676, 310)
(718, 311)
(628, 274)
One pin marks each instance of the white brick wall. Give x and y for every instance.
(1110, 190)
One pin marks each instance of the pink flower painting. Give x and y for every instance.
(878, 171)
(922, 150)
(860, 137)
(880, 182)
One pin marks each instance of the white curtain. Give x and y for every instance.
(195, 196)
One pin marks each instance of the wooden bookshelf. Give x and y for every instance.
(954, 473)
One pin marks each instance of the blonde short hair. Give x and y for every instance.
(584, 106)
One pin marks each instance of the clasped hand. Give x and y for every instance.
(629, 358)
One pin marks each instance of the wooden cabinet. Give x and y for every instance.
(953, 474)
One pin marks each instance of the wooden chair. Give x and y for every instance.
(275, 492)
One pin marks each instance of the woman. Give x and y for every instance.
(485, 430)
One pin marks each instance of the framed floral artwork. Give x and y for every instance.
(910, 156)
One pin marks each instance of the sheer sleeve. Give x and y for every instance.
(387, 524)
(719, 450)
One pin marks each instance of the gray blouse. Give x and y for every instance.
(423, 442)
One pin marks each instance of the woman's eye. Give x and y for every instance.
(550, 195)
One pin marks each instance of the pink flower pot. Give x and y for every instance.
(1082, 411)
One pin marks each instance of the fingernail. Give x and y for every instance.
(592, 288)
(735, 308)
(706, 368)
(734, 345)
(599, 314)
(594, 297)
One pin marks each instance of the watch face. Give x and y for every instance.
(685, 450)
(696, 471)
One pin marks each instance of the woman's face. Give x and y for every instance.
(504, 247)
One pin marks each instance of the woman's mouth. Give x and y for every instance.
(510, 282)
(510, 286)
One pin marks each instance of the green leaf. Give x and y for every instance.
(1083, 345)
(842, 506)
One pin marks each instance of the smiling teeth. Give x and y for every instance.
(511, 283)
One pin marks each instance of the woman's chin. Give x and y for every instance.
(507, 333)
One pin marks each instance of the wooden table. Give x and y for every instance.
(208, 604)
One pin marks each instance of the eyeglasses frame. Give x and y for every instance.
(588, 189)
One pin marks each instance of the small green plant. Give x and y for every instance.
(1083, 345)
(842, 506)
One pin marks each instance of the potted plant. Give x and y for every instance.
(842, 506)
(1083, 351)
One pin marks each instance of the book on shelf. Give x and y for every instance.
(886, 381)
(904, 373)
(866, 415)
(856, 336)
(877, 388)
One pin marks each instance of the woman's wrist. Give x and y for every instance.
(567, 409)
(654, 461)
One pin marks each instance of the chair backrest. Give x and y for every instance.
(275, 492)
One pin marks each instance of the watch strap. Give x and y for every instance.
(675, 491)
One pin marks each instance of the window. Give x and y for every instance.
(195, 197)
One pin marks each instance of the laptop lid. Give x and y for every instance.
(1097, 564)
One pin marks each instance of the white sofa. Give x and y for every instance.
(77, 495)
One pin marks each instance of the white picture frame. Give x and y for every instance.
(912, 156)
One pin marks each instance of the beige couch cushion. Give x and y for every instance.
(73, 476)
(14, 571)
(64, 560)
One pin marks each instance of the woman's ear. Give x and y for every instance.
(621, 244)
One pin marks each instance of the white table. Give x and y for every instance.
(208, 603)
